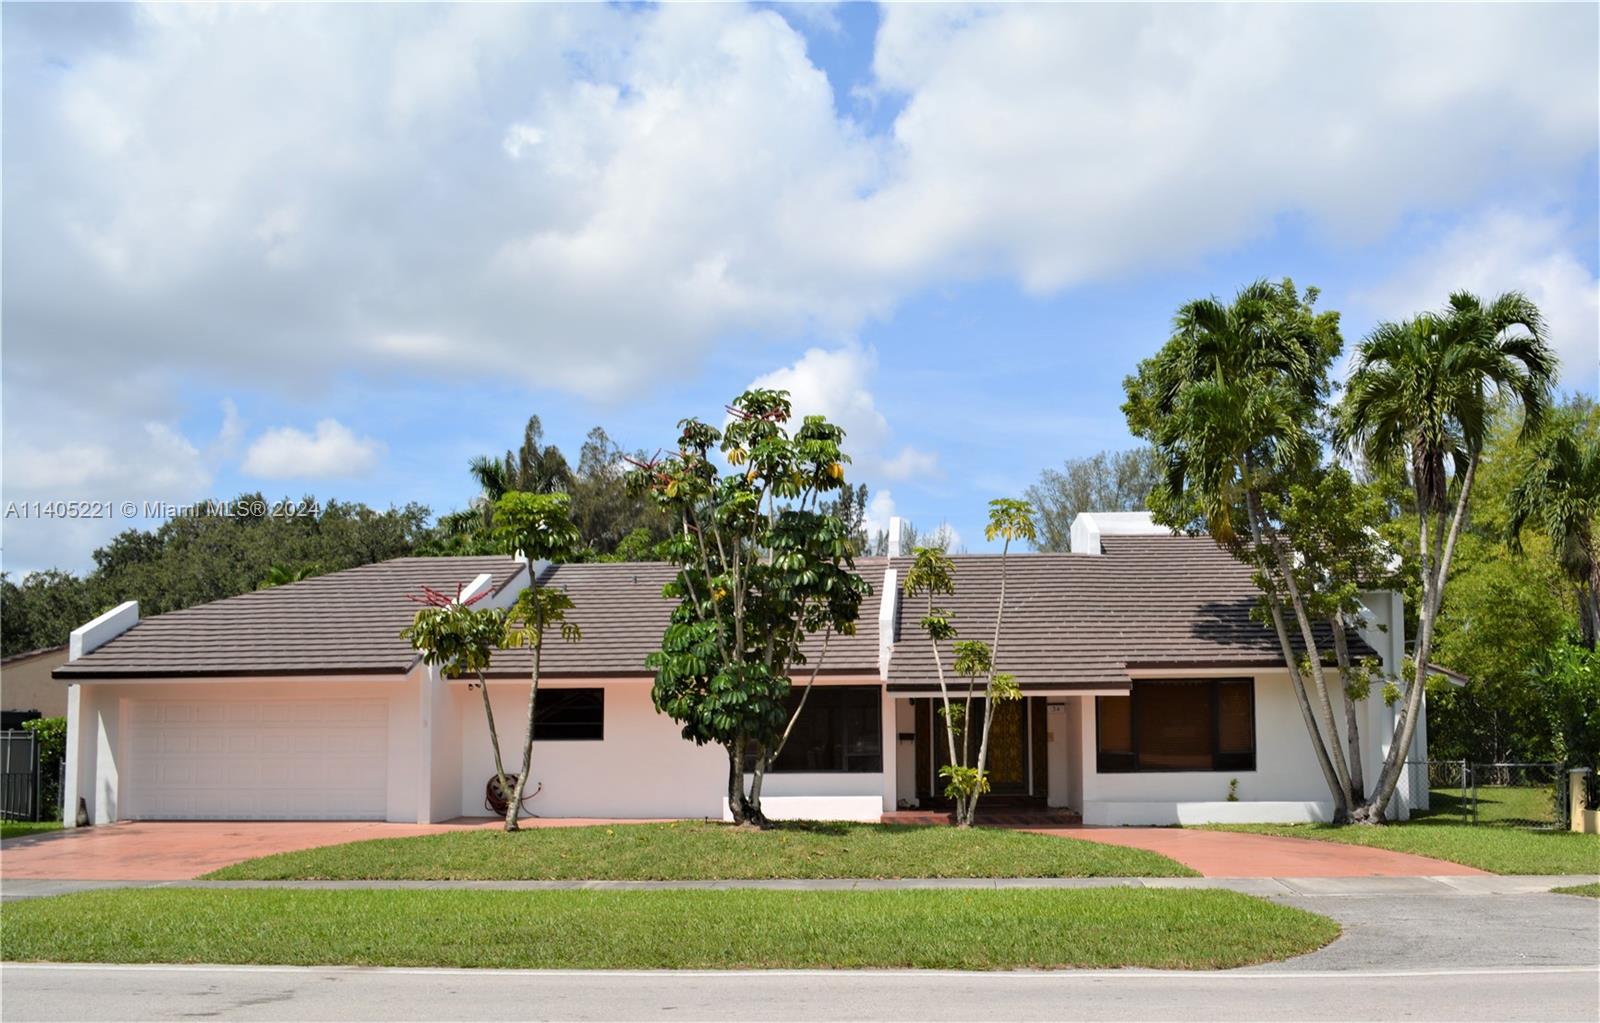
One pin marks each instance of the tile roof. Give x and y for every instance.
(342, 623)
(1085, 620)
(622, 614)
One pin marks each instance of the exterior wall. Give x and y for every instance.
(25, 684)
(1286, 785)
(98, 724)
(643, 767)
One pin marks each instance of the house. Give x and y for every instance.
(1150, 697)
(26, 689)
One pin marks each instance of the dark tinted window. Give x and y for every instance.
(1200, 725)
(841, 729)
(569, 714)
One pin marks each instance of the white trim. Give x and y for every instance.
(99, 631)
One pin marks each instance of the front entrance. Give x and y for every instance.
(1017, 755)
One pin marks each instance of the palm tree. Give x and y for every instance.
(1422, 395)
(1232, 404)
(1558, 490)
(282, 575)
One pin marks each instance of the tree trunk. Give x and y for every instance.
(736, 807)
(494, 736)
(1309, 716)
(1433, 598)
(1352, 726)
(515, 806)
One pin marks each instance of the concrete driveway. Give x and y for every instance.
(180, 850)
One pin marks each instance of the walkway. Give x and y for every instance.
(179, 850)
(1237, 854)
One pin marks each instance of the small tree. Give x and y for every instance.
(762, 567)
(534, 526)
(460, 640)
(932, 574)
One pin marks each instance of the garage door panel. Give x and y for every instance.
(257, 759)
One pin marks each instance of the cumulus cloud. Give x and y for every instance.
(1503, 251)
(333, 451)
(835, 383)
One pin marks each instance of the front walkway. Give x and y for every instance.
(179, 850)
(1238, 854)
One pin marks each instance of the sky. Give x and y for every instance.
(342, 249)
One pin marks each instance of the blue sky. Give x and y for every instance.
(340, 250)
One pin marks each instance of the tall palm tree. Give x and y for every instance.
(1558, 490)
(1422, 395)
(1232, 404)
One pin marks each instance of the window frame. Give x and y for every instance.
(876, 703)
(552, 690)
(1128, 761)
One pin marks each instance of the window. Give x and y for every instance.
(841, 729)
(1201, 725)
(564, 714)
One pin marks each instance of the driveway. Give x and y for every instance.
(1237, 854)
(180, 850)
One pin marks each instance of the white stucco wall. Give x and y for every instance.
(1286, 785)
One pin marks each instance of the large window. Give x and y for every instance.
(569, 714)
(1202, 725)
(841, 729)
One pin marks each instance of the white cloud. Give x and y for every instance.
(880, 509)
(1505, 251)
(334, 451)
(835, 384)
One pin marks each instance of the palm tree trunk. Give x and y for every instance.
(1433, 594)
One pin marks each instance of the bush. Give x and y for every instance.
(51, 734)
(1571, 685)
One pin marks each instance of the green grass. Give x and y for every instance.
(1499, 850)
(17, 829)
(1591, 890)
(1497, 804)
(951, 929)
(708, 851)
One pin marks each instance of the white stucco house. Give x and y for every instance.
(1150, 695)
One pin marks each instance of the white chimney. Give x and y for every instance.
(102, 630)
(897, 531)
(1089, 527)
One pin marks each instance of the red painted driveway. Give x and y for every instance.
(1237, 854)
(180, 850)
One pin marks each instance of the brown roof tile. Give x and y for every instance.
(337, 624)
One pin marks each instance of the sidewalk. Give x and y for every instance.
(1304, 887)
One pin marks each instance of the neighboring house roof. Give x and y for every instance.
(342, 623)
(1085, 621)
(29, 654)
(620, 610)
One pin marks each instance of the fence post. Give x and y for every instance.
(1580, 817)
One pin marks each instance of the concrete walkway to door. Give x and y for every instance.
(180, 850)
(1237, 854)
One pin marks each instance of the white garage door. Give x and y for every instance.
(253, 759)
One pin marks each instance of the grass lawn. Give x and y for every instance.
(975, 930)
(1497, 804)
(695, 850)
(16, 829)
(1499, 850)
(1591, 890)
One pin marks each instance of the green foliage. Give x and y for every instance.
(964, 781)
(1010, 520)
(1109, 481)
(535, 525)
(763, 564)
(282, 575)
(458, 640)
(537, 609)
(52, 736)
(1570, 684)
(215, 550)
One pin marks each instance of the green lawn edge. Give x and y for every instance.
(1590, 890)
(21, 829)
(1499, 850)
(708, 851)
(735, 929)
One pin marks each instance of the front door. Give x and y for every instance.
(1008, 761)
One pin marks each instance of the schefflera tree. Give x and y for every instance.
(932, 574)
(539, 528)
(763, 565)
(460, 640)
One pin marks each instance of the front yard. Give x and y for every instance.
(698, 850)
(17, 829)
(737, 929)
(1499, 850)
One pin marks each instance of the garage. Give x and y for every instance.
(255, 759)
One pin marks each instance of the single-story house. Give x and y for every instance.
(1150, 697)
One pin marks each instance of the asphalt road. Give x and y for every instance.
(1420, 956)
(280, 993)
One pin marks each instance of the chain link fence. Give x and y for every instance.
(1516, 795)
